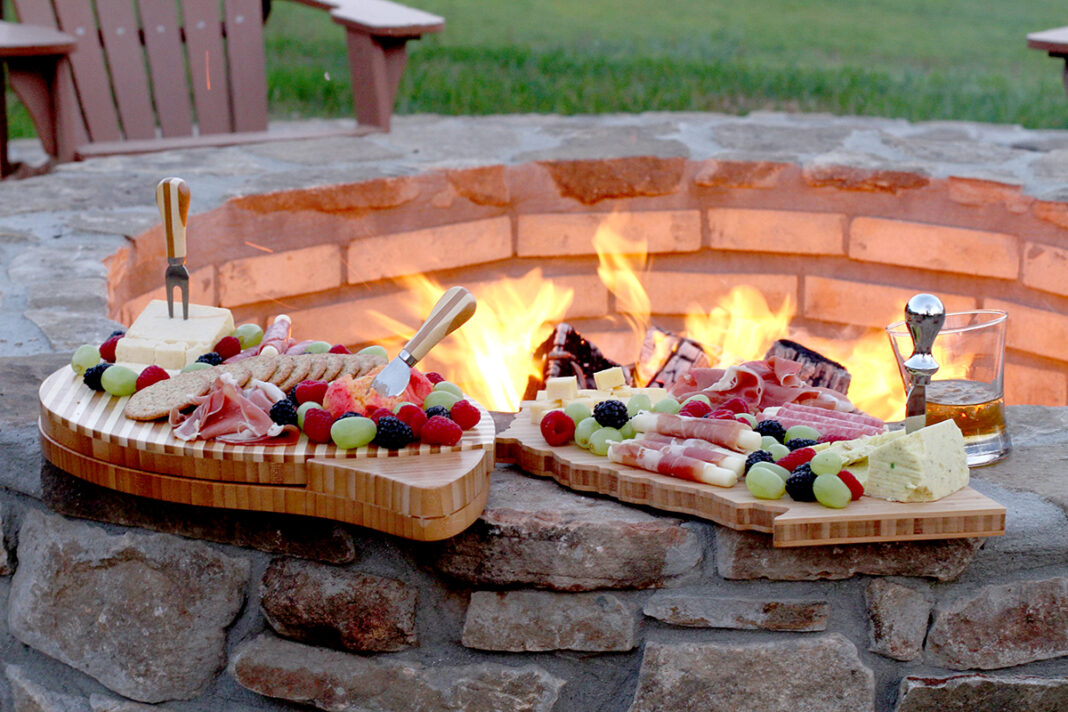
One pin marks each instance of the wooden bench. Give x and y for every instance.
(140, 80)
(1055, 42)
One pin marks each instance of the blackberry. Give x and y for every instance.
(117, 332)
(436, 410)
(757, 456)
(611, 414)
(92, 376)
(771, 427)
(292, 395)
(798, 443)
(799, 484)
(393, 433)
(350, 414)
(211, 358)
(284, 413)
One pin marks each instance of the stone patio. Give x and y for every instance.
(552, 600)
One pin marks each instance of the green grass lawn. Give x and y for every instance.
(914, 59)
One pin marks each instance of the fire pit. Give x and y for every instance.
(709, 249)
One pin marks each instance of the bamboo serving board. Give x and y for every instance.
(966, 513)
(424, 492)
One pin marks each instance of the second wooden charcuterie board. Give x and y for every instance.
(966, 513)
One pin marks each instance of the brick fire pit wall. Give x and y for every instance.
(847, 245)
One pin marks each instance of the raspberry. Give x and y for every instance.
(771, 427)
(91, 377)
(107, 349)
(311, 391)
(737, 405)
(799, 484)
(437, 410)
(757, 456)
(434, 377)
(317, 422)
(440, 430)
(414, 417)
(852, 483)
(339, 349)
(152, 374)
(210, 358)
(611, 414)
(557, 428)
(696, 408)
(393, 433)
(228, 346)
(376, 413)
(465, 414)
(797, 457)
(284, 412)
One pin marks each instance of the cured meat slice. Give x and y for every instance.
(226, 414)
(698, 449)
(276, 335)
(732, 434)
(857, 417)
(633, 454)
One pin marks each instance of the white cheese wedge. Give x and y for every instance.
(923, 466)
(561, 388)
(156, 338)
(609, 378)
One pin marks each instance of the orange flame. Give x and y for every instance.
(620, 260)
(740, 328)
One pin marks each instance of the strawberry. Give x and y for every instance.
(557, 428)
(852, 483)
(440, 430)
(465, 414)
(228, 346)
(317, 422)
(311, 391)
(797, 457)
(151, 374)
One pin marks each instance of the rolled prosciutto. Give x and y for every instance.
(664, 462)
(697, 449)
(732, 434)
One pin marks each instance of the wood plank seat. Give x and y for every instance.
(150, 75)
(1055, 42)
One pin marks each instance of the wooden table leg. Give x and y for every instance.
(5, 163)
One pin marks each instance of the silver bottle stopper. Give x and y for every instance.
(924, 316)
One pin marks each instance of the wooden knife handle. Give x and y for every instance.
(172, 197)
(454, 308)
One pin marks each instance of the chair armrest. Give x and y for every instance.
(1054, 41)
(379, 18)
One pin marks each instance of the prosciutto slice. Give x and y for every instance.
(762, 384)
(668, 462)
(226, 414)
(732, 434)
(697, 449)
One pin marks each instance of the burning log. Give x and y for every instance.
(816, 369)
(567, 353)
(665, 357)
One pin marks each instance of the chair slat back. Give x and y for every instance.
(207, 65)
(166, 65)
(120, 33)
(248, 66)
(90, 70)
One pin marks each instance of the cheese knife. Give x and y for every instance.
(172, 197)
(454, 308)
(924, 316)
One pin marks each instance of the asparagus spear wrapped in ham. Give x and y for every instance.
(732, 434)
(668, 461)
(697, 449)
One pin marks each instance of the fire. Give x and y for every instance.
(740, 328)
(620, 260)
(491, 356)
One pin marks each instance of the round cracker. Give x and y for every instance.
(161, 397)
(334, 364)
(283, 368)
(298, 374)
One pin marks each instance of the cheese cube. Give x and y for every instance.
(561, 388)
(655, 393)
(156, 338)
(609, 378)
(538, 409)
(131, 349)
(919, 467)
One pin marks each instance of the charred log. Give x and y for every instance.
(816, 369)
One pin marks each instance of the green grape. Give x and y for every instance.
(584, 430)
(374, 350)
(747, 418)
(700, 397)
(249, 335)
(196, 366)
(84, 358)
(826, 463)
(778, 451)
(396, 408)
(353, 432)
(831, 492)
(627, 431)
(449, 387)
(599, 440)
(638, 402)
(767, 441)
(667, 405)
(801, 431)
(578, 411)
(302, 409)
(119, 381)
(445, 398)
(764, 484)
(778, 470)
(317, 347)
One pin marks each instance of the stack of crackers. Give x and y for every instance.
(283, 370)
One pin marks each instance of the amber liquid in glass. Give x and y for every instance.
(976, 408)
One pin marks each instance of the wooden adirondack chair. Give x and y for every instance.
(141, 80)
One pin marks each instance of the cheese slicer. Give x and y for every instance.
(924, 316)
(454, 308)
(172, 197)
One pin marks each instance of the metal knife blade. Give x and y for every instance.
(916, 408)
(454, 308)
